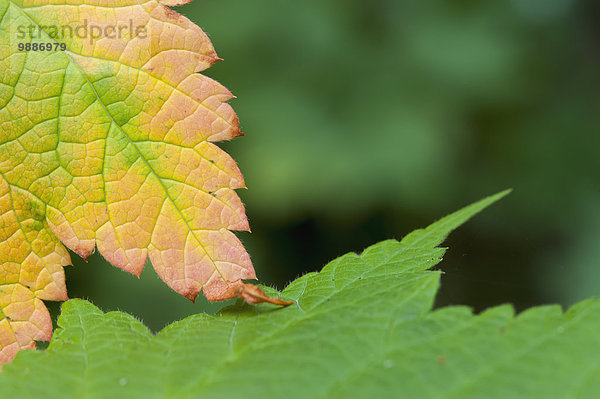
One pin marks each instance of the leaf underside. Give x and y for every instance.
(109, 145)
(361, 328)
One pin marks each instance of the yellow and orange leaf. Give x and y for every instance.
(108, 143)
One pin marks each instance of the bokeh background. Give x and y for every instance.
(367, 119)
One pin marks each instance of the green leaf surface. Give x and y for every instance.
(362, 327)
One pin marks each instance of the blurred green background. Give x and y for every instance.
(367, 119)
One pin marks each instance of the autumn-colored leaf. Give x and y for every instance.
(108, 143)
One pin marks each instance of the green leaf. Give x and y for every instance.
(362, 327)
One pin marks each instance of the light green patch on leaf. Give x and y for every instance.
(361, 328)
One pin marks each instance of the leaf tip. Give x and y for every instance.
(191, 296)
(254, 295)
(503, 193)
